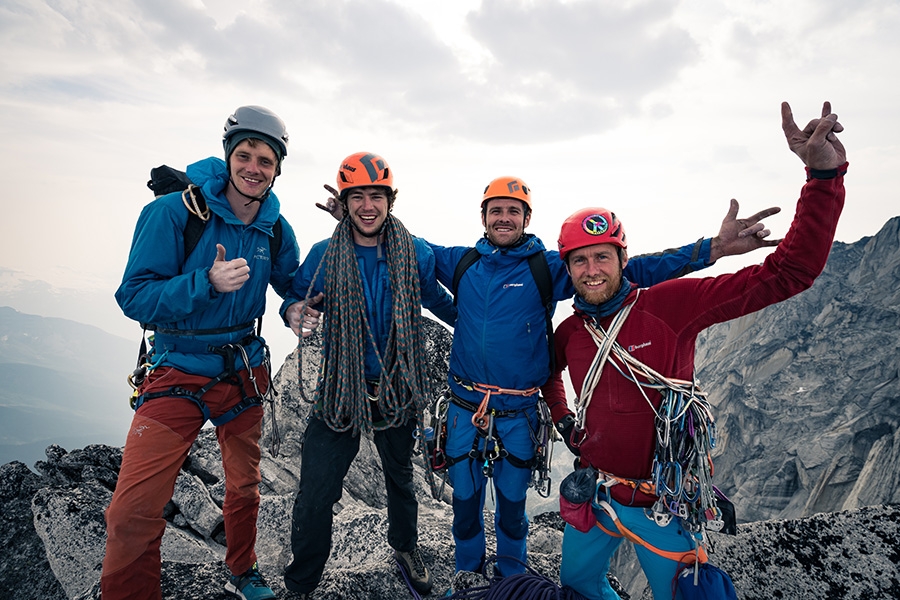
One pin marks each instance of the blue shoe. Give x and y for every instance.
(249, 586)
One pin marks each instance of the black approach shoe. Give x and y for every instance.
(412, 564)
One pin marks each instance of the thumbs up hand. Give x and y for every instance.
(228, 275)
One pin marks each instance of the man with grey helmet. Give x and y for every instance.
(206, 358)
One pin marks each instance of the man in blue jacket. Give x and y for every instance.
(376, 278)
(206, 360)
(500, 358)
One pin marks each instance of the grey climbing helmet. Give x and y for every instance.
(255, 122)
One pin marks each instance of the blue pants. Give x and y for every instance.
(510, 485)
(586, 556)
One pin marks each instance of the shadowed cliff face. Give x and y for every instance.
(807, 392)
(806, 395)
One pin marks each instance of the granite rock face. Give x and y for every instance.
(806, 394)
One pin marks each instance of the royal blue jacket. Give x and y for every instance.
(500, 337)
(162, 288)
(379, 298)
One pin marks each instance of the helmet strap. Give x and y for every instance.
(251, 199)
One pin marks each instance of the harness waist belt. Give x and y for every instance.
(191, 332)
(178, 343)
(472, 407)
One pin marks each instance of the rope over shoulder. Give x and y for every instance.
(341, 399)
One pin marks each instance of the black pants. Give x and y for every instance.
(325, 460)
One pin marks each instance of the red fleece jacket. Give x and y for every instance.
(662, 329)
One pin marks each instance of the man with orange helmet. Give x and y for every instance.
(376, 278)
(650, 337)
(500, 357)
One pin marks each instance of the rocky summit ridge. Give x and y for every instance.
(807, 395)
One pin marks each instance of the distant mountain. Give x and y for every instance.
(93, 302)
(60, 382)
(81, 300)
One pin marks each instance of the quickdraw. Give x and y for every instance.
(543, 451)
(493, 449)
(432, 440)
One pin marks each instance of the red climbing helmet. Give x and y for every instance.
(590, 226)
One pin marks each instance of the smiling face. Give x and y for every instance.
(504, 221)
(367, 208)
(252, 167)
(596, 271)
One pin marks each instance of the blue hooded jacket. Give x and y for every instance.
(500, 336)
(162, 288)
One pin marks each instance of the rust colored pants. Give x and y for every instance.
(161, 434)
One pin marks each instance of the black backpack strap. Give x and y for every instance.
(275, 239)
(192, 232)
(468, 259)
(540, 270)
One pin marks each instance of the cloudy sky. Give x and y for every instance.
(659, 109)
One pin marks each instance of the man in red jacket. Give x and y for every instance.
(630, 355)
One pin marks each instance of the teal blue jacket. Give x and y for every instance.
(163, 289)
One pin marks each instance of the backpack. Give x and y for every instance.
(705, 582)
(165, 180)
(540, 271)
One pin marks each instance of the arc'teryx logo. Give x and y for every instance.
(595, 225)
(262, 253)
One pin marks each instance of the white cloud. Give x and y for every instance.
(662, 110)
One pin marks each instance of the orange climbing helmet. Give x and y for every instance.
(364, 169)
(590, 226)
(508, 187)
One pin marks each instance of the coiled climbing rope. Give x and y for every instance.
(341, 396)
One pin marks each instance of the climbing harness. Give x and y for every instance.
(689, 557)
(479, 420)
(230, 353)
(529, 585)
(492, 449)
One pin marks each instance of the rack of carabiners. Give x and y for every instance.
(682, 470)
(681, 473)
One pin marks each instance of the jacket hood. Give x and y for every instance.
(211, 175)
